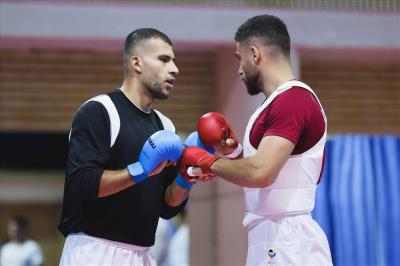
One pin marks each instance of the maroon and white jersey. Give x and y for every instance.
(294, 112)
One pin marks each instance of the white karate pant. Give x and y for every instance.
(83, 250)
(293, 240)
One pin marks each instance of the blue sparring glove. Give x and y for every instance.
(192, 140)
(164, 145)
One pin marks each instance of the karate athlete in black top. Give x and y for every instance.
(109, 214)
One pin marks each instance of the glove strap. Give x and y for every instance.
(236, 152)
(180, 181)
(137, 172)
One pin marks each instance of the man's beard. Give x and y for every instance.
(253, 83)
(156, 92)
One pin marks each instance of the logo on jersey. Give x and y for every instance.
(271, 253)
(271, 257)
(152, 143)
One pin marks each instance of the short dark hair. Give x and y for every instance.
(136, 37)
(270, 30)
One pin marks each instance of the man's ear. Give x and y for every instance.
(136, 64)
(255, 54)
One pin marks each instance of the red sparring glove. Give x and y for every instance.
(214, 131)
(196, 157)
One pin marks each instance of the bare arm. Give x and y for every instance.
(175, 195)
(259, 170)
(112, 182)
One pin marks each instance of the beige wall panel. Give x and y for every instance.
(40, 89)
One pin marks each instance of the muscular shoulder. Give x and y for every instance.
(294, 101)
(292, 114)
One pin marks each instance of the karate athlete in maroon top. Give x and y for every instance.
(283, 151)
(278, 216)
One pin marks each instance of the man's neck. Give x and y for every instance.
(137, 94)
(276, 77)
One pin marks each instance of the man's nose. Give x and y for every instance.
(174, 69)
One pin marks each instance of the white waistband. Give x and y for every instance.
(109, 242)
(271, 230)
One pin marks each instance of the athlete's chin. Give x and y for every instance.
(160, 93)
(163, 94)
(252, 93)
(167, 91)
(161, 97)
(252, 90)
(164, 97)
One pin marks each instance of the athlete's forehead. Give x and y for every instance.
(154, 47)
